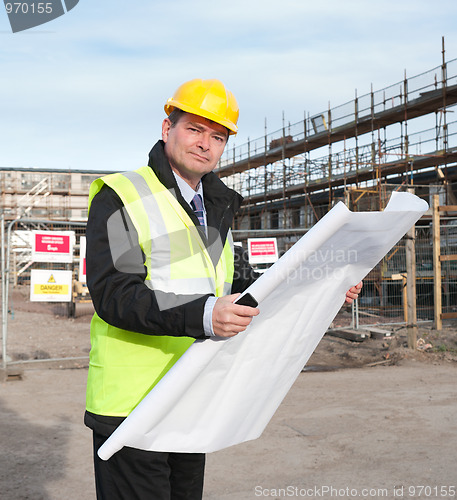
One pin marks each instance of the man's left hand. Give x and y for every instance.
(353, 293)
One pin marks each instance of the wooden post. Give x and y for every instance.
(411, 286)
(437, 305)
(404, 281)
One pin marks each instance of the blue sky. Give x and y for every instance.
(86, 91)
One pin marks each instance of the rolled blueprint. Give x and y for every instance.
(224, 392)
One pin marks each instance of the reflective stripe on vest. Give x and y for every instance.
(124, 365)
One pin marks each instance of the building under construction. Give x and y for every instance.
(402, 135)
(397, 138)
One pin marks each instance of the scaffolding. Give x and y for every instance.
(399, 134)
(398, 138)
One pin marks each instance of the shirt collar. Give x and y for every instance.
(187, 192)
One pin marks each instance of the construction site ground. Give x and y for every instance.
(368, 419)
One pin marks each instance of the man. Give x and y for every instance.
(162, 271)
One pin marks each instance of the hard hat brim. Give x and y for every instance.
(171, 104)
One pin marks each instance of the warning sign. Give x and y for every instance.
(262, 250)
(52, 246)
(50, 286)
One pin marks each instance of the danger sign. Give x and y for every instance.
(52, 246)
(50, 286)
(262, 250)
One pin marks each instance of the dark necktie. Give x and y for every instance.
(197, 206)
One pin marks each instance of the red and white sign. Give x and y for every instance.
(262, 250)
(82, 259)
(53, 246)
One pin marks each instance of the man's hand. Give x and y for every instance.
(229, 319)
(353, 293)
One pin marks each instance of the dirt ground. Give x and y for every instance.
(39, 331)
(370, 419)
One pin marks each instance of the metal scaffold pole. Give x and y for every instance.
(4, 295)
(437, 305)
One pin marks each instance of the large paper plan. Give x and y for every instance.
(224, 392)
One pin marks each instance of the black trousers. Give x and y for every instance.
(132, 474)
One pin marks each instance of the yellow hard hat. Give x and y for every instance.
(207, 98)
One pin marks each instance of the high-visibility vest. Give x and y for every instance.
(124, 365)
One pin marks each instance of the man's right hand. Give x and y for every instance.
(229, 319)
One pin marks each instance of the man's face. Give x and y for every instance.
(193, 146)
